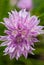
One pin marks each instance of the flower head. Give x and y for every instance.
(22, 30)
(25, 4)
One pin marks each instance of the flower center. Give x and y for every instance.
(19, 39)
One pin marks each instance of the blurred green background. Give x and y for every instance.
(38, 58)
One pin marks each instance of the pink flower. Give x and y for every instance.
(25, 4)
(22, 30)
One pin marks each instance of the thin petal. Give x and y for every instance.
(3, 38)
(8, 23)
(4, 43)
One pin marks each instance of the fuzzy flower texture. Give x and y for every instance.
(22, 4)
(21, 33)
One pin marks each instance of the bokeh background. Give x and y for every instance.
(38, 58)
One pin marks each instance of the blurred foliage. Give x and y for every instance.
(38, 58)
